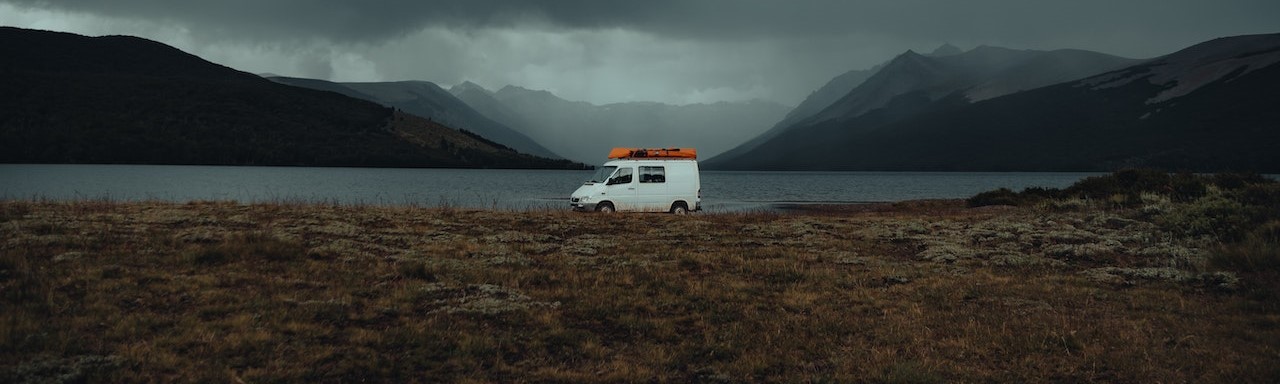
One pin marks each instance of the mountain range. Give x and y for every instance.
(828, 94)
(117, 99)
(428, 100)
(1208, 107)
(584, 132)
(525, 119)
(978, 74)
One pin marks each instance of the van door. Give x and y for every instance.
(651, 191)
(621, 189)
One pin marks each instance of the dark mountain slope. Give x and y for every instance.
(830, 92)
(322, 85)
(428, 100)
(994, 71)
(1048, 68)
(980, 73)
(74, 99)
(1210, 107)
(842, 84)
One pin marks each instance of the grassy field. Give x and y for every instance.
(1063, 291)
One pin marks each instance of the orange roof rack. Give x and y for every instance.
(653, 153)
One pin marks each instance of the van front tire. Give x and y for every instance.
(605, 207)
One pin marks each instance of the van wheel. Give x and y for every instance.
(679, 208)
(605, 207)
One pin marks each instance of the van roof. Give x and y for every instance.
(612, 161)
(653, 153)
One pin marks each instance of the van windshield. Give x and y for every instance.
(602, 173)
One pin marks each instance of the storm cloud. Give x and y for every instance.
(604, 51)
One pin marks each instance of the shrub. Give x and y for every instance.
(1043, 193)
(1234, 181)
(1126, 182)
(1266, 197)
(1135, 188)
(1002, 196)
(1065, 205)
(1259, 252)
(1214, 215)
(1181, 187)
(1187, 187)
(1154, 204)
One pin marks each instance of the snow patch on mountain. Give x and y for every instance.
(1185, 71)
(1044, 69)
(1191, 76)
(1112, 79)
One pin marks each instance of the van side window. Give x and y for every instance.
(653, 175)
(622, 177)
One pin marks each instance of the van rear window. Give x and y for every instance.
(653, 175)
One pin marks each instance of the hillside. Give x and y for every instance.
(116, 99)
(584, 132)
(828, 94)
(978, 74)
(1210, 107)
(426, 99)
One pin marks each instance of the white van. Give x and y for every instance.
(643, 180)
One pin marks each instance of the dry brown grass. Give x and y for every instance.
(927, 292)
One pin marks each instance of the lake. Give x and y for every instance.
(483, 188)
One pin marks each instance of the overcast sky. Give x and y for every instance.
(675, 51)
